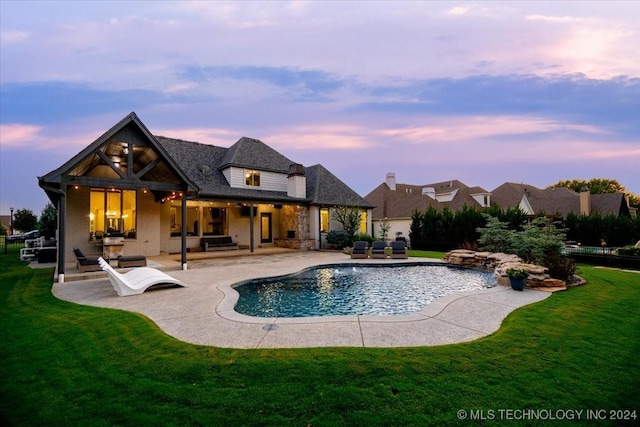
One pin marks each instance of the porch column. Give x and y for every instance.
(62, 214)
(251, 227)
(184, 232)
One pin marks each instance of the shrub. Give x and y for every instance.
(340, 238)
(364, 237)
(540, 242)
(495, 236)
(561, 267)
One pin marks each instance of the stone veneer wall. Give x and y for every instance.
(295, 218)
(499, 263)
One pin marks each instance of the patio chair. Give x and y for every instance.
(378, 250)
(85, 264)
(137, 281)
(398, 249)
(359, 250)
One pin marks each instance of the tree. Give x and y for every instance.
(384, 229)
(349, 217)
(24, 220)
(496, 235)
(48, 221)
(598, 186)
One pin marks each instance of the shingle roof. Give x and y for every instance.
(255, 154)
(508, 195)
(560, 201)
(322, 186)
(405, 199)
(609, 204)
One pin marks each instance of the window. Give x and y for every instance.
(215, 221)
(112, 212)
(252, 177)
(363, 222)
(193, 219)
(324, 220)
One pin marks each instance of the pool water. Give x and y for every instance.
(349, 289)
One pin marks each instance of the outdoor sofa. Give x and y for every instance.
(217, 243)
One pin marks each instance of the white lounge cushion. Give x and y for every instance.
(136, 281)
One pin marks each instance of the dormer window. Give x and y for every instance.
(252, 177)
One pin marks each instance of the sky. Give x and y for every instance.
(482, 92)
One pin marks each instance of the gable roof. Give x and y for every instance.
(129, 156)
(254, 154)
(401, 203)
(323, 188)
(609, 204)
(508, 195)
(406, 198)
(560, 201)
(125, 156)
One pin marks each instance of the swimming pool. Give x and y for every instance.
(348, 289)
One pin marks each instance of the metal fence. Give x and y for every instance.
(606, 257)
(10, 247)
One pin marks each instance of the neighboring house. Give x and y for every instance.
(395, 203)
(162, 195)
(5, 220)
(559, 201)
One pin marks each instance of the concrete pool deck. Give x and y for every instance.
(203, 312)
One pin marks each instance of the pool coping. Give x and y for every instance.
(203, 313)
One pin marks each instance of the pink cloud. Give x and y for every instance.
(18, 135)
(461, 129)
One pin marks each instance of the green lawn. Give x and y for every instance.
(65, 364)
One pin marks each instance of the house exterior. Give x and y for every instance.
(559, 201)
(5, 221)
(395, 203)
(147, 195)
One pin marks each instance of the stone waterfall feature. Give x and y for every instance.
(499, 263)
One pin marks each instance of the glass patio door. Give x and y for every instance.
(265, 227)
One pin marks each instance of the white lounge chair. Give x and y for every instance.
(136, 281)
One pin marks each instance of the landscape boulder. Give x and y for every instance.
(499, 263)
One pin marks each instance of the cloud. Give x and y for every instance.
(559, 19)
(604, 104)
(321, 138)
(460, 129)
(13, 36)
(213, 136)
(53, 102)
(308, 84)
(18, 135)
(458, 10)
(29, 139)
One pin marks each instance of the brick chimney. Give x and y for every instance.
(391, 181)
(296, 181)
(585, 201)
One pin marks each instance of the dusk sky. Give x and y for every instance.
(482, 92)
